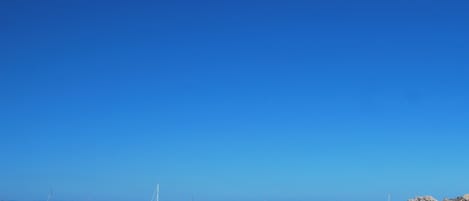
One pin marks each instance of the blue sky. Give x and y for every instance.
(233, 100)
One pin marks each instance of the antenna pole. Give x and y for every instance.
(49, 197)
(157, 192)
(153, 195)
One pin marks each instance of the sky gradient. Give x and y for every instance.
(233, 100)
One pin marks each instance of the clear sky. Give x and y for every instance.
(234, 100)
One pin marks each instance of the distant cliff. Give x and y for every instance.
(423, 198)
(431, 198)
(461, 198)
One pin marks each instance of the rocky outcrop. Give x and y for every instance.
(466, 197)
(423, 198)
(460, 198)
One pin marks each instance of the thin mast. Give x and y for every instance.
(153, 195)
(157, 192)
(49, 196)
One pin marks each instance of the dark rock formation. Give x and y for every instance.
(423, 198)
(460, 198)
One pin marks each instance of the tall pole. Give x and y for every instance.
(157, 192)
(51, 193)
(153, 195)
